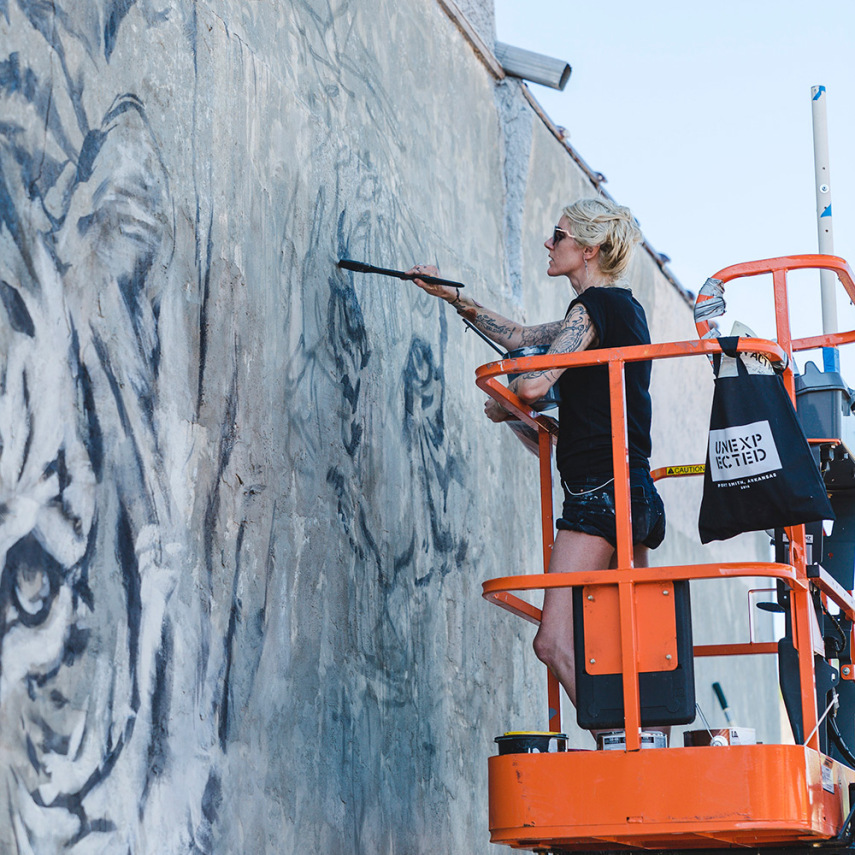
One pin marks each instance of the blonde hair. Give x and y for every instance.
(600, 222)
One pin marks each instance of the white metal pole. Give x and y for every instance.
(824, 226)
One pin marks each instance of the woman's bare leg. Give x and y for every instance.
(573, 551)
(640, 556)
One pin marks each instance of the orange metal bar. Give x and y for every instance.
(620, 462)
(629, 668)
(510, 401)
(779, 267)
(782, 325)
(531, 613)
(836, 592)
(825, 340)
(553, 688)
(801, 608)
(623, 524)
(791, 262)
(485, 374)
(730, 570)
(516, 606)
(743, 649)
(545, 444)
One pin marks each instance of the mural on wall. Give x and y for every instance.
(393, 537)
(85, 516)
(134, 611)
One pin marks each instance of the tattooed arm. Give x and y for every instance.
(506, 333)
(509, 334)
(576, 332)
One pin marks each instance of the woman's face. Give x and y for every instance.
(566, 257)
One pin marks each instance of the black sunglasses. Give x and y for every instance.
(558, 235)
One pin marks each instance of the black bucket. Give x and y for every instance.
(531, 742)
(551, 399)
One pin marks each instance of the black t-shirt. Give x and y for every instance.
(584, 434)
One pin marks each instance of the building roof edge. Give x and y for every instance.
(488, 58)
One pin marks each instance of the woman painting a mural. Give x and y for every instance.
(592, 246)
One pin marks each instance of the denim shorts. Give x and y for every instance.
(589, 507)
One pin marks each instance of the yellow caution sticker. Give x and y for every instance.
(691, 469)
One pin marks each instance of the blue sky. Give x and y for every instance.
(699, 115)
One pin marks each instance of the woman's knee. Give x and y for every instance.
(546, 648)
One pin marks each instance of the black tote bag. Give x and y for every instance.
(760, 473)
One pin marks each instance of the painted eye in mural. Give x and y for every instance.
(32, 575)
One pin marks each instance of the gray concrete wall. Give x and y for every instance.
(248, 501)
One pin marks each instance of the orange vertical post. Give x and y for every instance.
(629, 663)
(623, 523)
(553, 699)
(801, 609)
(544, 440)
(782, 326)
(620, 462)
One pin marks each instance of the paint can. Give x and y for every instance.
(615, 740)
(552, 398)
(531, 742)
(720, 737)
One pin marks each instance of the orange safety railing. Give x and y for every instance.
(795, 575)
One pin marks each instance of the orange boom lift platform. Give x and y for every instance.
(756, 798)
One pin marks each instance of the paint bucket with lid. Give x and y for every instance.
(551, 399)
(531, 742)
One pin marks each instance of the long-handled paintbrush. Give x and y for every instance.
(362, 267)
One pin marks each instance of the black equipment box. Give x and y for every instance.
(667, 697)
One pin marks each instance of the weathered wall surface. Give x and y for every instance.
(247, 500)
